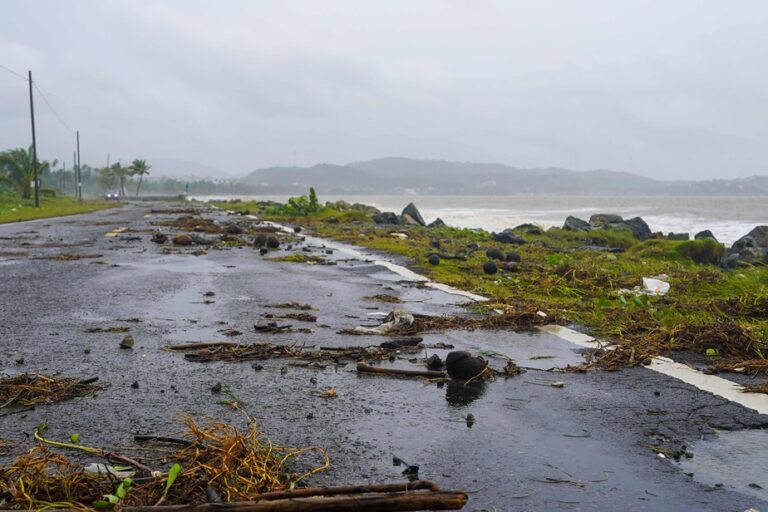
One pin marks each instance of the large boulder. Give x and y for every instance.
(678, 236)
(639, 228)
(385, 218)
(530, 229)
(508, 237)
(751, 248)
(604, 220)
(462, 365)
(412, 216)
(437, 223)
(703, 235)
(576, 224)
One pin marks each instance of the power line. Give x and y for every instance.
(45, 100)
(13, 72)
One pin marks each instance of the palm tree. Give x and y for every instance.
(17, 169)
(141, 168)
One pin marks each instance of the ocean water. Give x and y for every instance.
(729, 218)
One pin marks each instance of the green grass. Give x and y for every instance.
(14, 209)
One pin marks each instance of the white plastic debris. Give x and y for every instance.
(396, 319)
(104, 469)
(652, 286)
(655, 286)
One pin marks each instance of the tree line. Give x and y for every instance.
(18, 170)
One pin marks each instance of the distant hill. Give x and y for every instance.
(406, 175)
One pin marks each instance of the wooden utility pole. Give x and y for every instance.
(34, 141)
(74, 171)
(79, 176)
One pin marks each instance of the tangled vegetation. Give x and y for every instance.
(586, 278)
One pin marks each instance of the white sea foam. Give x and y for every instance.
(729, 218)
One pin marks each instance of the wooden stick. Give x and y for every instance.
(364, 368)
(202, 344)
(350, 489)
(419, 500)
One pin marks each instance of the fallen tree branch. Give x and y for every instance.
(364, 368)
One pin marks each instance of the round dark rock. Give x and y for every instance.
(297, 229)
(273, 242)
(233, 229)
(434, 362)
(495, 253)
(511, 266)
(513, 256)
(472, 246)
(184, 240)
(260, 240)
(434, 243)
(159, 238)
(462, 365)
(434, 259)
(263, 251)
(490, 268)
(257, 367)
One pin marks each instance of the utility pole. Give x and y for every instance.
(74, 171)
(34, 142)
(63, 175)
(79, 176)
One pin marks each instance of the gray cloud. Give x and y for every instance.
(666, 89)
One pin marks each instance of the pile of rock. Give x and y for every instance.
(636, 225)
(752, 248)
(410, 216)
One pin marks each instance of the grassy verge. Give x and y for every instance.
(14, 209)
(720, 314)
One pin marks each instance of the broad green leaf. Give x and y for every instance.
(172, 474)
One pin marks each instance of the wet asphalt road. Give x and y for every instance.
(533, 447)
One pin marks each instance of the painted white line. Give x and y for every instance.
(710, 383)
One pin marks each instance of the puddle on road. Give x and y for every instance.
(737, 460)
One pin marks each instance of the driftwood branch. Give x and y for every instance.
(202, 344)
(381, 498)
(364, 368)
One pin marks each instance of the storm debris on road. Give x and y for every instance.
(27, 390)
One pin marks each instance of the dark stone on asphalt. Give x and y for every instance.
(434, 259)
(182, 240)
(507, 237)
(490, 268)
(494, 253)
(437, 223)
(127, 342)
(385, 218)
(263, 251)
(273, 242)
(678, 236)
(233, 229)
(257, 367)
(216, 388)
(576, 224)
(297, 229)
(411, 215)
(260, 240)
(159, 238)
(403, 341)
(513, 256)
(703, 235)
(135, 384)
(434, 362)
(462, 365)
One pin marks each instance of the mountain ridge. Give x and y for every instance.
(398, 175)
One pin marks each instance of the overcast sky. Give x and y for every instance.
(668, 89)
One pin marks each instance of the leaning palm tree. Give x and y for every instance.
(18, 170)
(140, 168)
